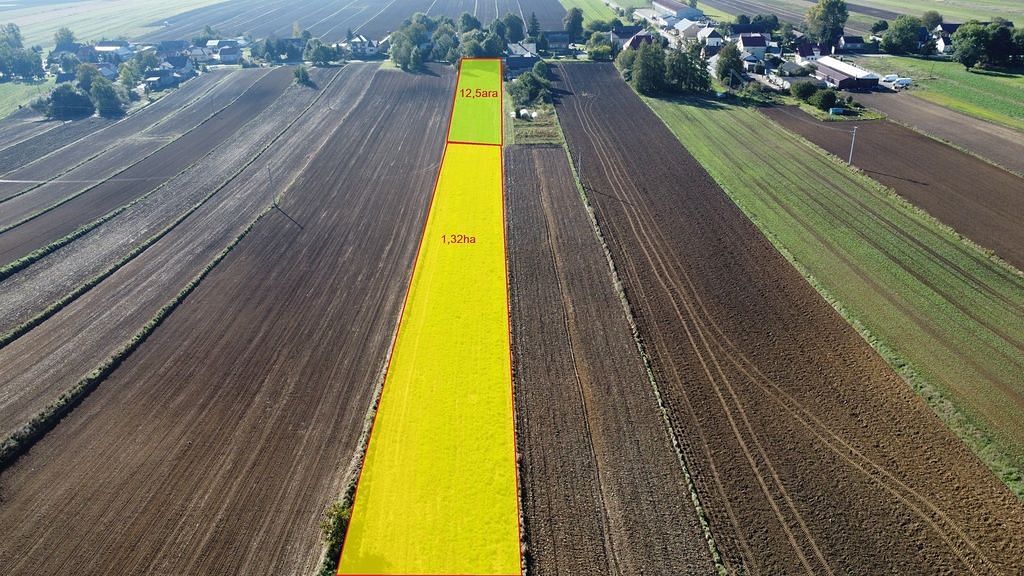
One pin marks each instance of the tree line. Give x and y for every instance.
(652, 71)
(17, 61)
(421, 38)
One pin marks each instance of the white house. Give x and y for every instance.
(754, 44)
(688, 28)
(710, 37)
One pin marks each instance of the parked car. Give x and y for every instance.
(889, 78)
(902, 82)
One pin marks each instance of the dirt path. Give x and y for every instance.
(1002, 145)
(217, 445)
(604, 491)
(975, 198)
(810, 454)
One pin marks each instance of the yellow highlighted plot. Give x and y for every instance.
(476, 116)
(437, 494)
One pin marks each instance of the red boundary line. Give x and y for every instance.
(405, 302)
(473, 143)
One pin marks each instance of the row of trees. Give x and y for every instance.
(995, 45)
(422, 38)
(15, 59)
(95, 93)
(653, 71)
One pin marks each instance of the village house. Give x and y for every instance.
(753, 44)
(852, 43)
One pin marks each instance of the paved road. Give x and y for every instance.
(1002, 145)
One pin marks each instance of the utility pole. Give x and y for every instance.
(852, 142)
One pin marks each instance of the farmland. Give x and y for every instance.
(938, 309)
(603, 488)
(744, 352)
(988, 95)
(331, 21)
(241, 431)
(973, 197)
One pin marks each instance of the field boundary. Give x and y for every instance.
(620, 291)
(57, 306)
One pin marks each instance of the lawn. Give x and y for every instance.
(95, 20)
(958, 345)
(953, 10)
(592, 9)
(14, 94)
(989, 95)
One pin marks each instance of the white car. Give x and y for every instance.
(889, 78)
(902, 82)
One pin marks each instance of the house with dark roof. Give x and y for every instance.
(558, 41)
(852, 43)
(172, 47)
(753, 44)
(640, 38)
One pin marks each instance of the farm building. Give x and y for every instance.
(229, 55)
(688, 28)
(844, 76)
(656, 18)
(558, 41)
(521, 57)
(852, 43)
(677, 10)
(621, 34)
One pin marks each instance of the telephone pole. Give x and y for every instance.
(852, 142)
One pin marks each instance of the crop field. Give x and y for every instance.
(978, 200)
(240, 431)
(988, 95)
(940, 310)
(603, 489)
(792, 11)
(999, 144)
(784, 413)
(331, 21)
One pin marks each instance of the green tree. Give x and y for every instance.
(514, 28)
(802, 90)
(302, 76)
(493, 45)
(729, 62)
(128, 74)
(69, 63)
(66, 101)
(625, 62)
(1018, 45)
(969, 42)
(649, 69)
(105, 96)
(318, 53)
(415, 58)
(498, 27)
(879, 27)
(533, 27)
(296, 29)
(472, 49)
(542, 70)
(1000, 46)
(64, 38)
(573, 23)
(742, 19)
(931, 19)
(443, 42)
(468, 22)
(10, 34)
(823, 99)
(902, 35)
(825, 21)
(87, 73)
(147, 60)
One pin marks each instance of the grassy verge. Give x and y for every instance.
(24, 437)
(994, 96)
(620, 291)
(937, 308)
(16, 94)
(852, 115)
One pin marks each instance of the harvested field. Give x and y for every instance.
(330, 21)
(227, 463)
(1002, 145)
(809, 453)
(788, 11)
(603, 489)
(52, 357)
(33, 138)
(978, 200)
(85, 205)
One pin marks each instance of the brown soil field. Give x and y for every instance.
(141, 176)
(787, 13)
(235, 421)
(34, 138)
(603, 489)
(975, 198)
(54, 356)
(331, 21)
(1002, 145)
(810, 455)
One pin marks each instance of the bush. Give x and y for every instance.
(823, 99)
(803, 90)
(302, 76)
(541, 70)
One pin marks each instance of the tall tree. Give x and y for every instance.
(729, 62)
(969, 42)
(64, 38)
(106, 97)
(825, 21)
(999, 48)
(10, 34)
(498, 27)
(573, 23)
(649, 69)
(468, 22)
(87, 74)
(533, 27)
(880, 26)
(931, 19)
(66, 101)
(901, 38)
(514, 28)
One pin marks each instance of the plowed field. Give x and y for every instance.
(809, 453)
(604, 492)
(214, 448)
(975, 198)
